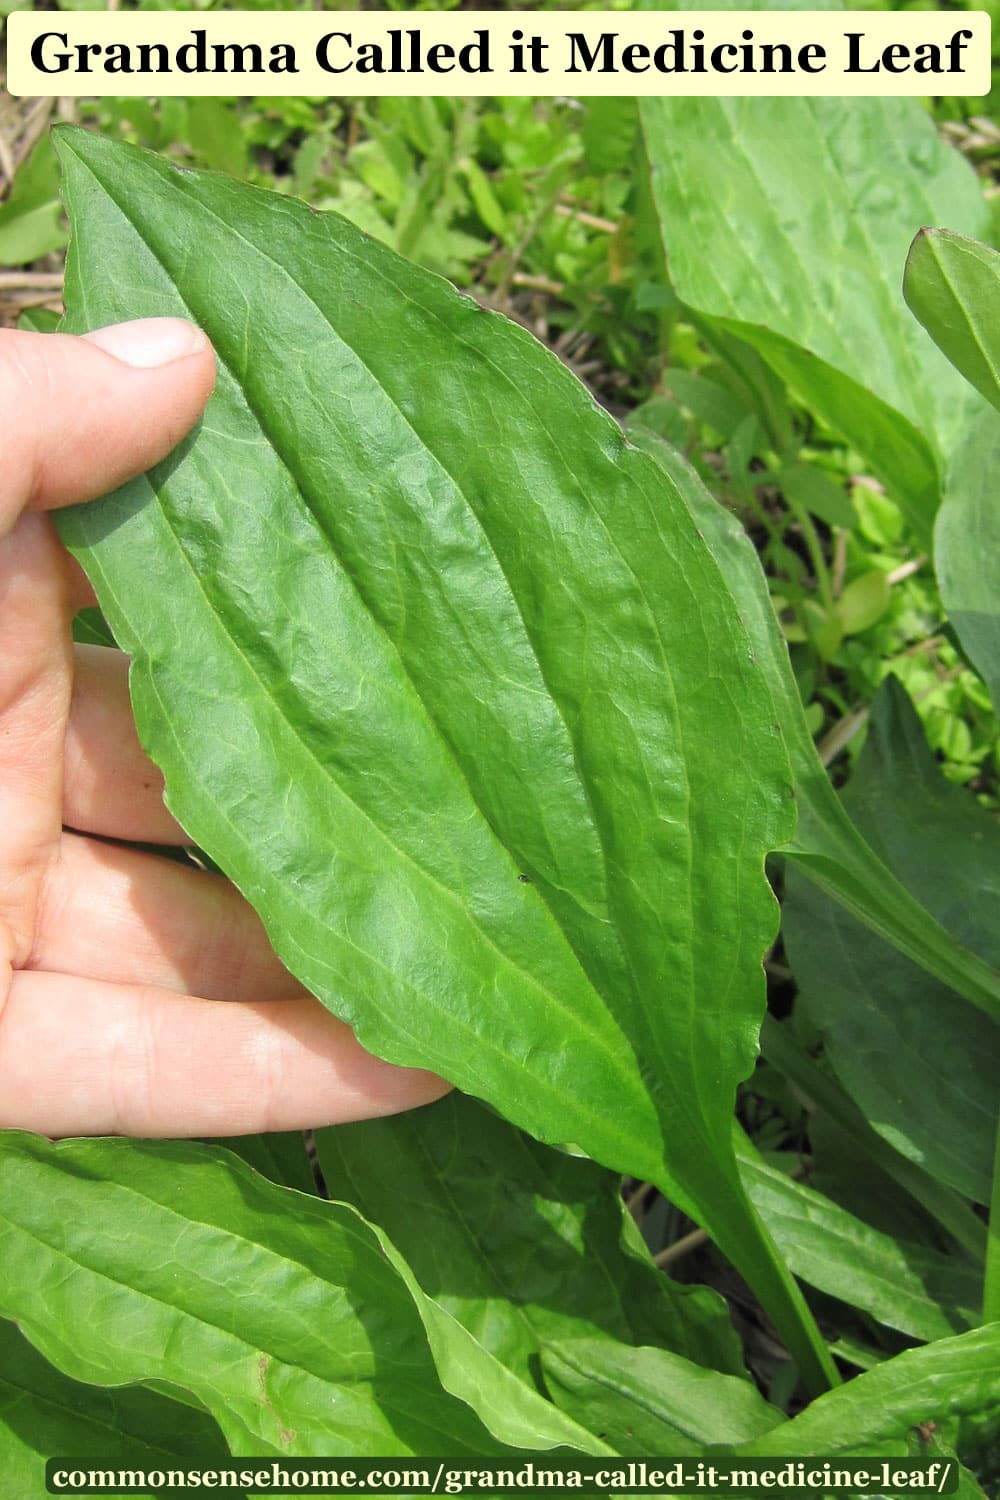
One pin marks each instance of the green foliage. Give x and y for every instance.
(44, 1414)
(922, 1063)
(537, 708)
(649, 1401)
(948, 284)
(741, 175)
(31, 219)
(523, 1245)
(532, 745)
(829, 847)
(241, 1338)
(906, 1285)
(950, 1377)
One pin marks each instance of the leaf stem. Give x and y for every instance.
(991, 1289)
(815, 549)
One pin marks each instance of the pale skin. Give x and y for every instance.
(137, 996)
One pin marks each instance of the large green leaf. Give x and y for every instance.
(647, 1400)
(811, 277)
(952, 284)
(440, 672)
(949, 1378)
(827, 844)
(45, 1415)
(288, 1318)
(523, 1244)
(967, 547)
(904, 1285)
(922, 1064)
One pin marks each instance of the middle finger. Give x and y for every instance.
(120, 915)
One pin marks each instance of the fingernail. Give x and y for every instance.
(149, 341)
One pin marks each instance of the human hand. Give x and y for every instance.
(118, 969)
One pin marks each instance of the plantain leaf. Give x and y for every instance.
(39, 320)
(842, 1127)
(827, 845)
(967, 548)
(289, 1319)
(90, 628)
(949, 1378)
(922, 1065)
(812, 279)
(904, 1285)
(440, 672)
(45, 1415)
(521, 1243)
(951, 284)
(31, 217)
(647, 1400)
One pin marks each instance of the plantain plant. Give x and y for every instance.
(485, 708)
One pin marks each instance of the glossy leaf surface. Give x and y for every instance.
(440, 672)
(921, 1063)
(288, 1318)
(812, 279)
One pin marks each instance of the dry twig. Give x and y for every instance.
(31, 281)
(679, 1248)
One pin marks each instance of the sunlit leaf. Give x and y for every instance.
(812, 278)
(904, 1285)
(951, 1377)
(967, 547)
(289, 1319)
(649, 1401)
(441, 673)
(952, 284)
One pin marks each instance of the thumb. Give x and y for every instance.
(79, 416)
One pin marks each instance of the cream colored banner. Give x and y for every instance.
(499, 52)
